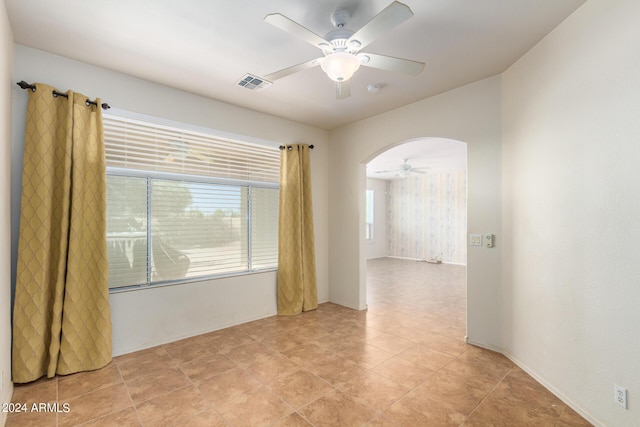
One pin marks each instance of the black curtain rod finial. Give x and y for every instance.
(25, 85)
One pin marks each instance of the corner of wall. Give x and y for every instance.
(6, 55)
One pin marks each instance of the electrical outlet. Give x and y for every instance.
(620, 396)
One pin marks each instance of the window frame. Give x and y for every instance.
(368, 233)
(192, 179)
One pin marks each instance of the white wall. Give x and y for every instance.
(6, 59)
(470, 114)
(572, 208)
(145, 318)
(377, 247)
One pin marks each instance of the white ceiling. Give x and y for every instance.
(206, 46)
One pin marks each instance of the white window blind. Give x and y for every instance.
(134, 144)
(184, 205)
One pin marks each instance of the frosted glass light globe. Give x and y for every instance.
(340, 66)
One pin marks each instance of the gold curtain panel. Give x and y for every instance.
(297, 289)
(62, 318)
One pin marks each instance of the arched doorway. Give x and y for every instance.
(416, 212)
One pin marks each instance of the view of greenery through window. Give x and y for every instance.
(184, 204)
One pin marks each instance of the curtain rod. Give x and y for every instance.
(282, 147)
(25, 85)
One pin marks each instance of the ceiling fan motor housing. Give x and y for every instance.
(341, 34)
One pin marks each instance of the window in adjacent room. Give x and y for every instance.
(185, 205)
(369, 215)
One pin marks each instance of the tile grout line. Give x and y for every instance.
(560, 416)
(101, 388)
(195, 385)
(126, 387)
(269, 388)
(487, 396)
(426, 379)
(211, 405)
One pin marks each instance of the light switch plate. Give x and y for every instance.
(475, 239)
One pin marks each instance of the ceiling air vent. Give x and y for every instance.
(252, 82)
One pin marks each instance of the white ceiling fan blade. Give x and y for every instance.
(290, 70)
(390, 63)
(292, 27)
(343, 90)
(392, 16)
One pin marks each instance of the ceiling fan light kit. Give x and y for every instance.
(340, 66)
(341, 46)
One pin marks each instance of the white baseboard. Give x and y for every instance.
(546, 384)
(553, 390)
(121, 351)
(195, 334)
(422, 260)
(485, 346)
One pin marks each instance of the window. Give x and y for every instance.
(368, 232)
(185, 205)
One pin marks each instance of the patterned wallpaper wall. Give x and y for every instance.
(427, 217)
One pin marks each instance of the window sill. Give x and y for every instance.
(155, 285)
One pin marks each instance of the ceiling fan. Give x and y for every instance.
(405, 169)
(341, 46)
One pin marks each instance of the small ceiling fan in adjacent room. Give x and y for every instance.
(405, 169)
(341, 47)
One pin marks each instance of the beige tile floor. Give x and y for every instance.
(400, 363)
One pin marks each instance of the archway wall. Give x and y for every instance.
(470, 114)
